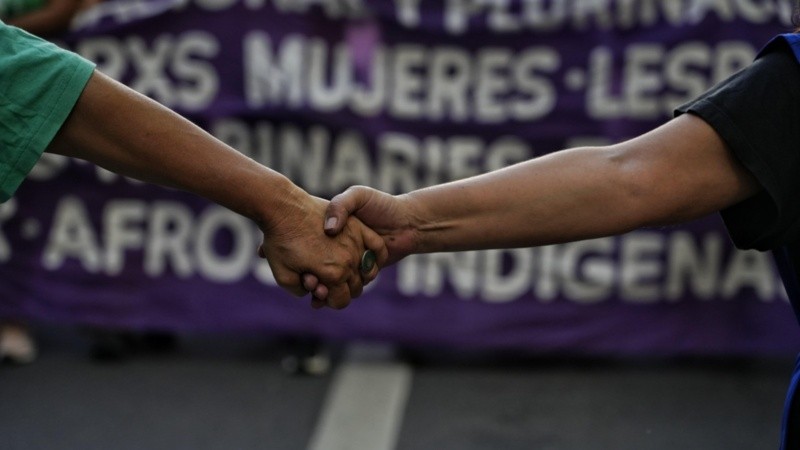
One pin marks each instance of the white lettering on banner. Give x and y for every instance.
(747, 270)
(325, 163)
(199, 80)
(719, 8)
(430, 84)
(691, 269)
(756, 11)
(304, 160)
(129, 10)
(405, 101)
(351, 162)
(327, 97)
(170, 231)
(120, 12)
(639, 267)
(271, 79)
(165, 235)
(506, 16)
(546, 287)
(122, 230)
(72, 236)
(487, 85)
(409, 82)
(491, 62)
(450, 81)
(501, 285)
(398, 158)
(413, 82)
(238, 262)
(408, 13)
(7, 211)
(174, 70)
(586, 270)
(316, 159)
(460, 269)
(499, 16)
(650, 68)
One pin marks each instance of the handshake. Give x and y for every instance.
(333, 250)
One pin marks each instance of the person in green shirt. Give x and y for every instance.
(41, 17)
(53, 100)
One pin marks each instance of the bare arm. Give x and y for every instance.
(54, 17)
(675, 173)
(130, 134)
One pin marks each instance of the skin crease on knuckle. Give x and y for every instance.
(333, 274)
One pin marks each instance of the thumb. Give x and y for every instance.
(342, 206)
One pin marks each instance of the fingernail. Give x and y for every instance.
(330, 223)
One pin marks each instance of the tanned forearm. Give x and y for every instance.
(529, 204)
(676, 173)
(130, 134)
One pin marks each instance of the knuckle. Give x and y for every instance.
(286, 280)
(356, 288)
(333, 273)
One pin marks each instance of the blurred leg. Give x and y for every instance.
(16, 343)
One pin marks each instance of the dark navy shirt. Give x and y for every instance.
(757, 113)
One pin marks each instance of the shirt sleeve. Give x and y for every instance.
(39, 85)
(757, 113)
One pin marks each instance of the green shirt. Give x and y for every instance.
(13, 8)
(39, 85)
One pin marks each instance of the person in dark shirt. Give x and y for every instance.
(736, 149)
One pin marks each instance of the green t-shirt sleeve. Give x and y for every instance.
(39, 85)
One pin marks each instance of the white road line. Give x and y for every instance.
(364, 407)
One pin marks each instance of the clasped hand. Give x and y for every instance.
(305, 260)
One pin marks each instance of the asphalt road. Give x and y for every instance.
(230, 392)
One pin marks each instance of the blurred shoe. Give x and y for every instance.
(111, 345)
(307, 357)
(16, 344)
(158, 342)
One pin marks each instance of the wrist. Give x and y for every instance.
(418, 223)
(281, 200)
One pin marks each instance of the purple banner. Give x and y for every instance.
(399, 95)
